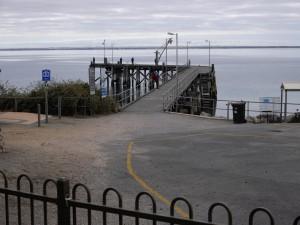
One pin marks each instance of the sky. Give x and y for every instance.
(57, 23)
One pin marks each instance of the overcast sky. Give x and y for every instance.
(53, 23)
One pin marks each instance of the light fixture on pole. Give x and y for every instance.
(187, 52)
(176, 34)
(208, 51)
(103, 43)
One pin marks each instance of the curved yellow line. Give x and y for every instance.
(146, 186)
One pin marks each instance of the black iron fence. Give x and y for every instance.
(254, 110)
(65, 206)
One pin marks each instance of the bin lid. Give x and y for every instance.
(238, 103)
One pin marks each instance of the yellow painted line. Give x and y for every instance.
(150, 189)
(146, 186)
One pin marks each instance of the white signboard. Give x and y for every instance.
(269, 104)
(92, 80)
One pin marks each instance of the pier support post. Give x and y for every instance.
(132, 85)
(138, 84)
(145, 81)
(107, 81)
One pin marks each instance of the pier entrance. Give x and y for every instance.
(168, 91)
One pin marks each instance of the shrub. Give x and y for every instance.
(75, 99)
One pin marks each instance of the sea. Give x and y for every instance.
(247, 74)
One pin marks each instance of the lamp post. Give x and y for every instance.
(187, 52)
(168, 41)
(176, 34)
(104, 50)
(208, 51)
(112, 53)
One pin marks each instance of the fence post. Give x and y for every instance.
(228, 105)
(16, 105)
(248, 109)
(39, 114)
(63, 210)
(46, 102)
(84, 107)
(59, 107)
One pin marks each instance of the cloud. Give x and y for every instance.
(61, 22)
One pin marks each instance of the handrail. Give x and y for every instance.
(173, 93)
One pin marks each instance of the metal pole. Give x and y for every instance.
(281, 101)
(248, 109)
(285, 107)
(187, 53)
(46, 102)
(228, 104)
(177, 65)
(104, 48)
(112, 53)
(63, 210)
(167, 54)
(59, 107)
(16, 105)
(209, 53)
(39, 114)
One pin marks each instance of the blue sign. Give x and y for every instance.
(103, 91)
(46, 75)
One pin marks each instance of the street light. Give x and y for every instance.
(208, 51)
(176, 34)
(168, 41)
(187, 52)
(103, 43)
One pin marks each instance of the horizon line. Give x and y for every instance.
(151, 47)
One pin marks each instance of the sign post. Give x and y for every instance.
(92, 81)
(46, 76)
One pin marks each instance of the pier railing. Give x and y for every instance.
(253, 109)
(131, 95)
(174, 92)
(60, 204)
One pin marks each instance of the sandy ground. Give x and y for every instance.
(93, 151)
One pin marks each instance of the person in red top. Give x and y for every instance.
(155, 77)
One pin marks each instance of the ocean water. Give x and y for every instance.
(242, 74)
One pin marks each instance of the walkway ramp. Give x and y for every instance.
(153, 102)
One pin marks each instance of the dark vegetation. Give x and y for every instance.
(75, 99)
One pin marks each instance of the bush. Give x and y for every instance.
(75, 99)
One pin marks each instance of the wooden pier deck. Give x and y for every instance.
(153, 102)
(185, 92)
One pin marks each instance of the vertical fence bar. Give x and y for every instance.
(16, 105)
(285, 107)
(248, 109)
(46, 102)
(85, 105)
(228, 105)
(63, 210)
(39, 114)
(59, 100)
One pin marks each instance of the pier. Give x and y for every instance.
(193, 86)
